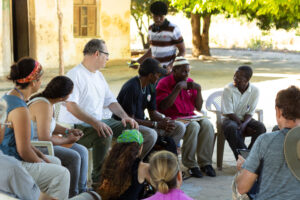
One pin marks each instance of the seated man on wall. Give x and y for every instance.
(85, 105)
(137, 95)
(239, 101)
(266, 162)
(179, 96)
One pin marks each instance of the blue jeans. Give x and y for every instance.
(75, 159)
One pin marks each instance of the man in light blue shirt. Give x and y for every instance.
(266, 164)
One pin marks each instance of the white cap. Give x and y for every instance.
(180, 60)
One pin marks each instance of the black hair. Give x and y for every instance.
(92, 46)
(20, 70)
(247, 71)
(58, 87)
(159, 8)
(148, 66)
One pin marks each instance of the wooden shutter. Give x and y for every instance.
(76, 15)
(77, 2)
(89, 2)
(85, 18)
(92, 20)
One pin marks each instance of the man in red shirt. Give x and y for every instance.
(177, 95)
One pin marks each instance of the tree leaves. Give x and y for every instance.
(269, 13)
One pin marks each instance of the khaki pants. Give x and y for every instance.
(51, 178)
(198, 141)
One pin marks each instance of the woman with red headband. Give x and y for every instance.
(52, 179)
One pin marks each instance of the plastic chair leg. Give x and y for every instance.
(220, 150)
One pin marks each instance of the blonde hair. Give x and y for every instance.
(164, 168)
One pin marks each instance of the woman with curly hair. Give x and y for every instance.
(123, 173)
(166, 177)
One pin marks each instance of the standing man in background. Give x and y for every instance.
(165, 38)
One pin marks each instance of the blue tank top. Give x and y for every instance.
(8, 145)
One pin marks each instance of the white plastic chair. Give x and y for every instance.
(213, 104)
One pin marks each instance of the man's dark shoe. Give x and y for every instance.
(195, 172)
(208, 170)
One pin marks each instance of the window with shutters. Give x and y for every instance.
(85, 18)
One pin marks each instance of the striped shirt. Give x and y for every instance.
(163, 42)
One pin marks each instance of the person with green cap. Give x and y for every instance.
(123, 173)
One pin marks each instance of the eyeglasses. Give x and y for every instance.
(106, 53)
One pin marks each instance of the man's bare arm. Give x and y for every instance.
(73, 108)
(146, 55)
(101, 128)
(181, 49)
(245, 181)
(117, 109)
(234, 117)
(169, 100)
(199, 99)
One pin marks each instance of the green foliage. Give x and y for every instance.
(258, 44)
(283, 14)
(204, 7)
(269, 13)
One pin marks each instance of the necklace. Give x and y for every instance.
(142, 89)
(21, 94)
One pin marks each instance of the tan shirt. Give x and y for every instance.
(240, 104)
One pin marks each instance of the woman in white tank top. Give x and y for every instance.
(72, 155)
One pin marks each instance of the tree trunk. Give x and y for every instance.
(205, 36)
(196, 37)
(200, 40)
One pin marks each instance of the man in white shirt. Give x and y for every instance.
(239, 101)
(84, 107)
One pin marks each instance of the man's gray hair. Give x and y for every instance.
(3, 114)
(92, 46)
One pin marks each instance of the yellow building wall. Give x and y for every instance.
(113, 23)
(5, 37)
